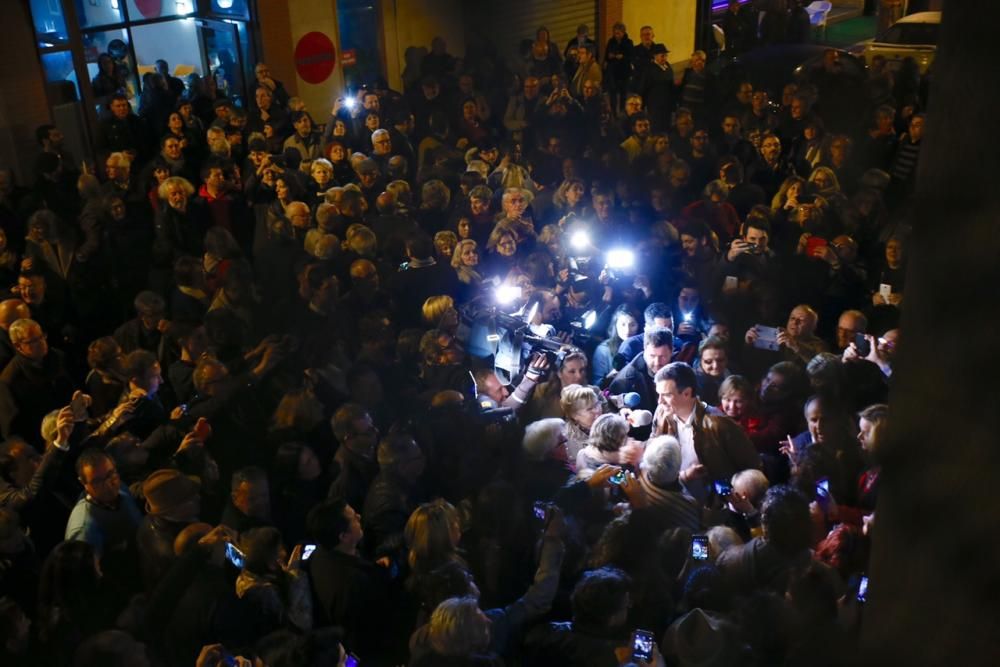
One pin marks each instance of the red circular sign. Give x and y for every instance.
(315, 57)
(150, 9)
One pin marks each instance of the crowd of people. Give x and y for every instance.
(254, 410)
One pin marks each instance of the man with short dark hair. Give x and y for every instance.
(637, 376)
(767, 561)
(601, 604)
(639, 142)
(52, 141)
(106, 516)
(713, 447)
(249, 503)
(144, 332)
(350, 591)
(122, 131)
(420, 278)
(303, 139)
(354, 465)
(140, 410)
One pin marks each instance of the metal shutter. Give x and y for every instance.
(506, 25)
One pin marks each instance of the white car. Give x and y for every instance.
(914, 36)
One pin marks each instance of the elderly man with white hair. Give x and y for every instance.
(658, 477)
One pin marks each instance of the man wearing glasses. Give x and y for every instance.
(33, 383)
(106, 516)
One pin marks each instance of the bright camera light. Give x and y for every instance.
(349, 102)
(507, 294)
(580, 240)
(589, 319)
(621, 258)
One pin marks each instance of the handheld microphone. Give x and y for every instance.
(640, 418)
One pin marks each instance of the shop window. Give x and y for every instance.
(60, 76)
(358, 22)
(233, 8)
(97, 13)
(110, 66)
(50, 24)
(144, 10)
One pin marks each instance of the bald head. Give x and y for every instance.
(386, 202)
(362, 268)
(12, 310)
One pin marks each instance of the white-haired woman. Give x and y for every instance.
(608, 444)
(547, 465)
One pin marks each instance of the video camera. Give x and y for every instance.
(508, 337)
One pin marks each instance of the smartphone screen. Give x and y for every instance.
(813, 244)
(861, 343)
(307, 551)
(642, 645)
(351, 660)
(863, 589)
(234, 555)
(723, 488)
(618, 478)
(539, 510)
(699, 547)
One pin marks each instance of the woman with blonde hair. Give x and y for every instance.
(458, 629)
(439, 313)
(432, 534)
(569, 200)
(581, 406)
(546, 400)
(465, 261)
(501, 251)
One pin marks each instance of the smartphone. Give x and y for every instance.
(731, 283)
(699, 547)
(351, 660)
(823, 492)
(618, 478)
(234, 555)
(863, 589)
(862, 344)
(885, 289)
(767, 338)
(307, 551)
(79, 405)
(723, 488)
(813, 243)
(539, 510)
(643, 642)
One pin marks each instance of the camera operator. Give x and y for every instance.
(488, 384)
(548, 314)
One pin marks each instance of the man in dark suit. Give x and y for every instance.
(421, 277)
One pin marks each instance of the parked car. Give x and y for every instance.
(914, 36)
